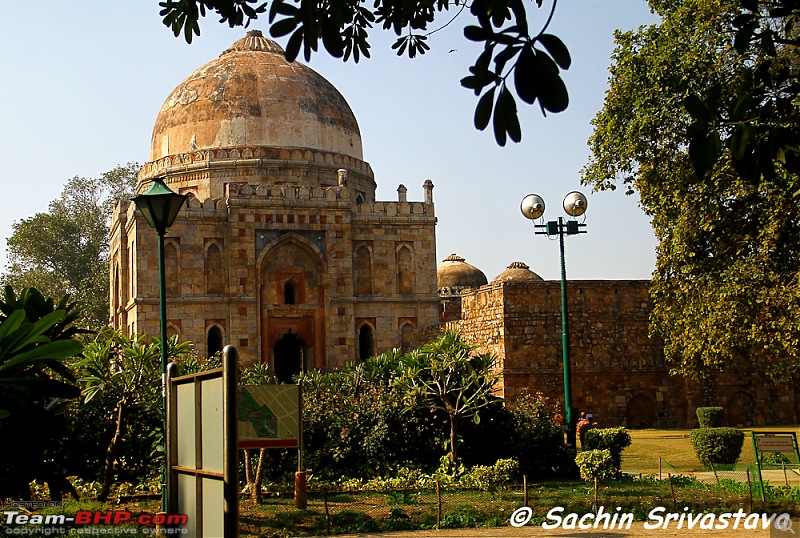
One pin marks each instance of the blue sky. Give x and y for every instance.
(83, 82)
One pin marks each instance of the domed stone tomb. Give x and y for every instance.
(281, 248)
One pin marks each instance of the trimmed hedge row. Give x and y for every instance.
(717, 445)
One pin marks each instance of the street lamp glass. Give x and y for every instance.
(575, 204)
(159, 205)
(532, 206)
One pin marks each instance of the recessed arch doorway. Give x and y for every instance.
(289, 357)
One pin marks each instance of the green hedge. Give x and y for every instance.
(613, 439)
(710, 417)
(717, 445)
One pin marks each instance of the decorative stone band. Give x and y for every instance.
(200, 159)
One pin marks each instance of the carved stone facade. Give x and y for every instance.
(281, 248)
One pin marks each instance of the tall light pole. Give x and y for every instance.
(532, 208)
(160, 206)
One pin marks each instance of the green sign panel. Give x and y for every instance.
(269, 416)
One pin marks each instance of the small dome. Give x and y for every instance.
(517, 272)
(251, 96)
(455, 273)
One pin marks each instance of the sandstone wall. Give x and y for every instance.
(618, 372)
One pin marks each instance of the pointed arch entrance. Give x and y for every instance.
(292, 306)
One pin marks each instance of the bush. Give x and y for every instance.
(717, 445)
(596, 464)
(710, 417)
(537, 442)
(489, 477)
(615, 440)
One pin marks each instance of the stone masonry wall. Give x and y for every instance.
(618, 372)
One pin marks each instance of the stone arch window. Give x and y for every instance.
(172, 270)
(405, 270)
(366, 342)
(359, 199)
(172, 330)
(290, 292)
(407, 337)
(362, 267)
(213, 269)
(214, 339)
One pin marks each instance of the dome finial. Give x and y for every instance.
(255, 41)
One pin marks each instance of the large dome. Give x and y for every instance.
(456, 274)
(252, 97)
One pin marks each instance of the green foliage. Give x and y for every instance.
(725, 290)
(710, 417)
(537, 442)
(596, 464)
(488, 478)
(532, 59)
(615, 440)
(758, 124)
(34, 340)
(64, 251)
(121, 377)
(717, 445)
(355, 425)
(447, 375)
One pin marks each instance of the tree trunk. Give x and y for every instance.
(113, 451)
(255, 490)
(453, 438)
(248, 472)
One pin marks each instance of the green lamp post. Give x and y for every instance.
(160, 206)
(532, 208)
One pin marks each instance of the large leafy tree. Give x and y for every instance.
(64, 251)
(518, 60)
(725, 286)
(449, 376)
(758, 122)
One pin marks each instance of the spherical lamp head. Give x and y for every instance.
(575, 204)
(532, 206)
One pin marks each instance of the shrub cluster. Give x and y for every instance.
(615, 440)
(717, 445)
(596, 464)
(710, 417)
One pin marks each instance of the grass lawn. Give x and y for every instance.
(675, 450)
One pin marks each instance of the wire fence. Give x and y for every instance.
(329, 511)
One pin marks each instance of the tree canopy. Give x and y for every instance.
(448, 375)
(64, 251)
(725, 287)
(517, 61)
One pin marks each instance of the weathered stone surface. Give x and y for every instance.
(280, 224)
(618, 372)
